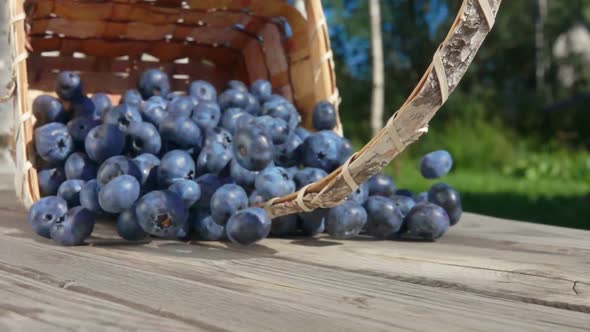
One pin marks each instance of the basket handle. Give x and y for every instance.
(450, 63)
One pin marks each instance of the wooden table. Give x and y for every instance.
(487, 274)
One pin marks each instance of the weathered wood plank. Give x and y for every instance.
(27, 304)
(329, 286)
(518, 261)
(240, 291)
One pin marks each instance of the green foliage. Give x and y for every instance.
(561, 165)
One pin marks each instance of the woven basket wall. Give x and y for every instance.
(110, 42)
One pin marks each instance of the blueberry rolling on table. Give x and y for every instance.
(487, 274)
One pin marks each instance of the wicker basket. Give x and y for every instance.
(111, 42)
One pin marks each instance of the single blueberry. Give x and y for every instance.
(361, 194)
(403, 203)
(277, 107)
(50, 179)
(384, 218)
(69, 86)
(181, 106)
(45, 212)
(153, 113)
(119, 194)
(261, 89)
(69, 190)
(274, 182)
(117, 166)
(275, 128)
(53, 142)
(76, 227)
(280, 108)
(324, 116)
(83, 107)
(448, 198)
(233, 98)
(308, 175)
(346, 151)
(214, 158)
(288, 153)
(132, 98)
(248, 226)
(163, 214)
(426, 221)
(226, 201)
(102, 104)
(436, 164)
(188, 190)
(421, 197)
(182, 131)
(176, 164)
(128, 227)
(253, 149)
(172, 96)
(48, 109)
(122, 116)
(252, 105)
(220, 136)
(203, 91)
(89, 196)
(346, 220)
(382, 185)
(206, 115)
(79, 127)
(229, 121)
(237, 85)
(153, 82)
(79, 166)
(104, 141)
(143, 137)
(209, 183)
(148, 158)
(322, 150)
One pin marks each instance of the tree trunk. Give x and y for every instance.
(377, 100)
(541, 63)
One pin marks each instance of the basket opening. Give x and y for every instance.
(111, 43)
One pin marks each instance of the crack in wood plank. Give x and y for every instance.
(538, 275)
(424, 281)
(575, 287)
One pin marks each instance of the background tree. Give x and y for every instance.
(377, 99)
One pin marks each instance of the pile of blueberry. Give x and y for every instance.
(197, 165)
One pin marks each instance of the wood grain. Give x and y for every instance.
(299, 284)
(27, 304)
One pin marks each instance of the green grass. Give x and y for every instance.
(548, 201)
